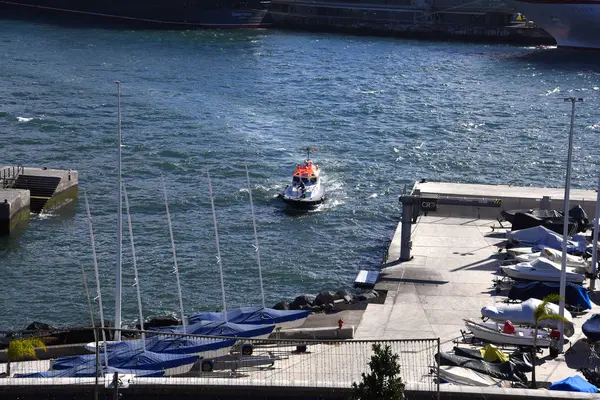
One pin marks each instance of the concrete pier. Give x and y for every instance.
(453, 260)
(14, 209)
(24, 190)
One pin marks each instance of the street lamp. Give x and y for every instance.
(563, 269)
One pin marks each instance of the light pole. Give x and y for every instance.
(563, 269)
(595, 239)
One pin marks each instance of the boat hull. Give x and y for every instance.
(573, 24)
(154, 13)
(490, 332)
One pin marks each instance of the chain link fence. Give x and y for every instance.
(161, 359)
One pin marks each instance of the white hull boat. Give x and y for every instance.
(493, 332)
(540, 269)
(578, 264)
(465, 377)
(522, 314)
(307, 190)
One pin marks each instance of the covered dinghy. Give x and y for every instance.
(257, 316)
(540, 237)
(89, 371)
(221, 328)
(591, 328)
(172, 364)
(574, 383)
(171, 345)
(575, 295)
(504, 371)
(522, 314)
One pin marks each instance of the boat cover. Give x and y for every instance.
(551, 219)
(505, 371)
(521, 360)
(133, 358)
(522, 314)
(252, 316)
(574, 383)
(575, 295)
(591, 328)
(89, 371)
(540, 237)
(220, 328)
(171, 345)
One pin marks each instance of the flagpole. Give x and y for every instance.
(563, 269)
(118, 284)
(595, 239)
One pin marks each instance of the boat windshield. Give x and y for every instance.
(295, 180)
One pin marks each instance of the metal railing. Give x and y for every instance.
(174, 361)
(9, 175)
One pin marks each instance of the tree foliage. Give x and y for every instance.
(383, 382)
(23, 349)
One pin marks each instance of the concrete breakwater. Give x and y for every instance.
(26, 190)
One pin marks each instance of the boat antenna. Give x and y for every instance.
(119, 272)
(563, 269)
(262, 291)
(175, 268)
(308, 154)
(135, 269)
(95, 259)
(212, 205)
(87, 293)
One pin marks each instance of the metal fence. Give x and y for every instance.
(168, 358)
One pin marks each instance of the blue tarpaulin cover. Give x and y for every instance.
(253, 316)
(171, 345)
(574, 383)
(132, 358)
(575, 295)
(220, 328)
(591, 328)
(89, 371)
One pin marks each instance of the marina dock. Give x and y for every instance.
(446, 278)
(25, 190)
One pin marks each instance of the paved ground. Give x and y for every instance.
(449, 279)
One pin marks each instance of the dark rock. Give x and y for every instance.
(317, 309)
(325, 298)
(361, 297)
(159, 322)
(304, 300)
(40, 326)
(282, 305)
(341, 294)
(328, 307)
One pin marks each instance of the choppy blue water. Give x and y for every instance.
(382, 113)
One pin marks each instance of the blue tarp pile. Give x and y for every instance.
(574, 383)
(220, 328)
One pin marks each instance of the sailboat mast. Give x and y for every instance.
(135, 270)
(262, 291)
(212, 205)
(119, 269)
(95, 259)
(87, 294)
(175, 268)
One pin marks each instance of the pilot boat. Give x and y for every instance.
(306, 190)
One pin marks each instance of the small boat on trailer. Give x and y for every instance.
(306, 190)
(494, 332)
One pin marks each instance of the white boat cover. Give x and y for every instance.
(466, 377)
(522, 314)
(541, 237)
(556, 256)
(541, 269)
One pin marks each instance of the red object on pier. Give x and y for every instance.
(340, 323)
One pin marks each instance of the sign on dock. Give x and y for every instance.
(366, 279)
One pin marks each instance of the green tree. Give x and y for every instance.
(384, 382)
(23, 349)
(540, 314)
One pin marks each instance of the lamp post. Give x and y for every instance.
(595, 239)
(563, 269)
